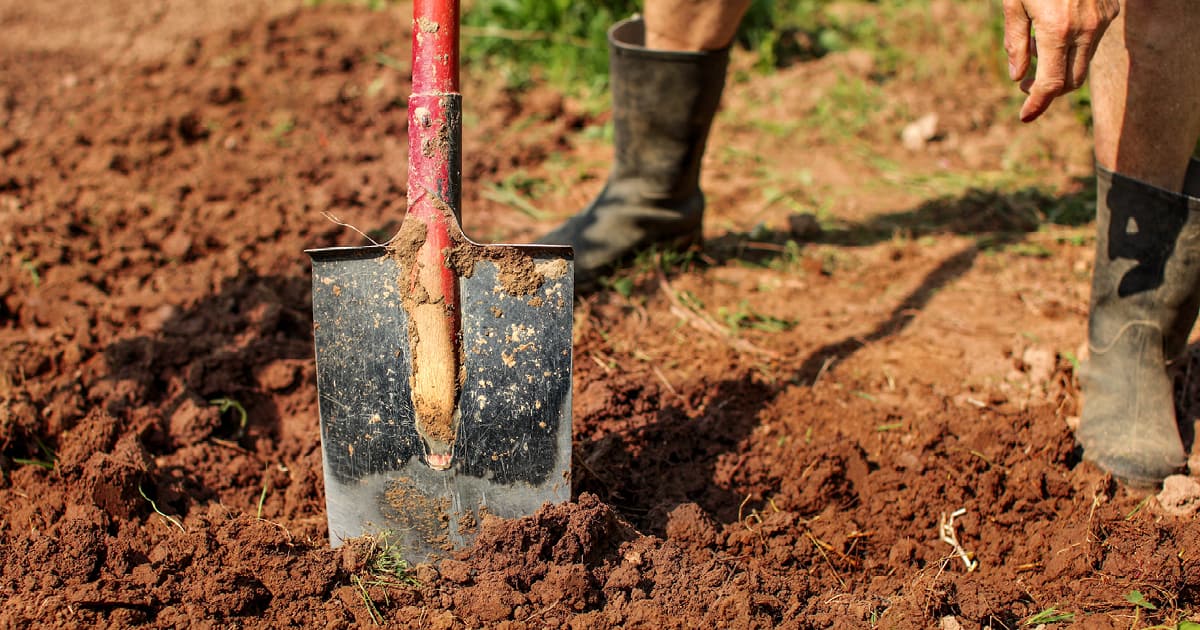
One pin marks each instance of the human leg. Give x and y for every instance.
(692, 25)
(1146, 279)
(1145, 84)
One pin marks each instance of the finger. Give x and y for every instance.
(1081, 60)
(1016, 38)
(1050, 79)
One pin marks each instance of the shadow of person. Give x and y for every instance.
(648, 470)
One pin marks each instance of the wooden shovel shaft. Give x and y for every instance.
(434, 199)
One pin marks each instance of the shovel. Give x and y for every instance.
(443, 365)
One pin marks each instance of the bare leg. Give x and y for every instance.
(692, 25)
(1146, 91)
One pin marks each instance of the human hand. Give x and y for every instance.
(1065, 36)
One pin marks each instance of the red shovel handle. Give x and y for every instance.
(435, 46)
(434, 199)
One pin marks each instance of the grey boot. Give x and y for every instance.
(1145, 295)
(663, 107)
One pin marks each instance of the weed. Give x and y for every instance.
(283, 125)
(1030, 250)
(47, 460)
(1182, 625)
(847, 108)
(225, 404)
(1137, 599)
(31, 267)
(154, 506)
(262, 497)
(375, 87)
(1138, 508)
(622, 285)
(1074, 360)
(25, 461)
(516, 190)
(744, 317)
(387, 560)
(372, 609)
(1048, 616)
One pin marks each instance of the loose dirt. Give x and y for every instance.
(765, 434)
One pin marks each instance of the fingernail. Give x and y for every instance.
(1012, 71)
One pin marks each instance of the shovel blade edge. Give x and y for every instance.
(512, 452)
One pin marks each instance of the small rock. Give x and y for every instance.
(949, 622)
(176, 245)
(804, 226)
(1040, 364)
(920, 132)
(1180, 496)
(156, 319)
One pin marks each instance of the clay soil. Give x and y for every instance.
(765, 434)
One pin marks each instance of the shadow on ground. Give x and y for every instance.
(214, 349)
(649, 471)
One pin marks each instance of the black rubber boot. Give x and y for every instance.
(1145, 295)
(663, 107)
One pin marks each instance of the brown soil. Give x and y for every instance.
(163, 166)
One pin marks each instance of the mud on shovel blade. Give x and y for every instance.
(512, 448)
(443, 365)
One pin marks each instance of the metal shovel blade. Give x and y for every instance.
(512, 450)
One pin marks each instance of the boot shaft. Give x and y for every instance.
(1147, 269)
(663, 106)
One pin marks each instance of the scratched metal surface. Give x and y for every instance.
(512, 451)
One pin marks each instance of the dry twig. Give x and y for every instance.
(947, 535)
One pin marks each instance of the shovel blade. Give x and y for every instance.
(512, 450)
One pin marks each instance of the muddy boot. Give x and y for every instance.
(663, 106)
(1145, 296)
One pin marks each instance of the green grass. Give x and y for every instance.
(564, 42)
(743, 317)
(1048, 616)
(226, 404)
(48, 459)
(561, 39)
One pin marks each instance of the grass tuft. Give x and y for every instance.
(1048, 616)
(387, 560)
